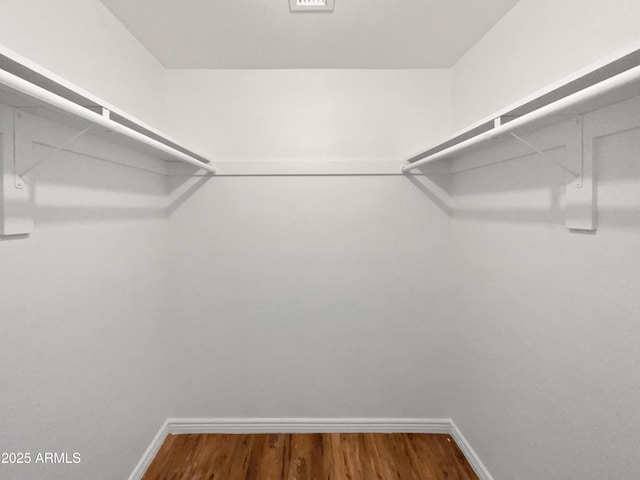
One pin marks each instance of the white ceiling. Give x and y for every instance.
(264, 34)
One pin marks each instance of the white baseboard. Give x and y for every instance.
(151, 452)
(178, 426)
(469, 453)
(308, 425)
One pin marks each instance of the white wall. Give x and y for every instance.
(545, 374)
(305, 296)
(535, 44)
(310, 297)
(83, 314)
(81, 41)
(83, 302)
(309, 114)
(545, 378)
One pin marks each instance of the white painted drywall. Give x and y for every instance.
(545, 372)
(309, 114)
(535, 44)
(83, 302)
(310, 297)
(545, 377)
(81, 41)
(84, 365)
(297, 296)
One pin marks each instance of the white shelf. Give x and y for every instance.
(609, 81)
(26, 85)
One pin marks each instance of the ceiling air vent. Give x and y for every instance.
(311, 5)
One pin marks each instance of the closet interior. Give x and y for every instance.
(373, 251)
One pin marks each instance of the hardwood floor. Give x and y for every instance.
(331, 456)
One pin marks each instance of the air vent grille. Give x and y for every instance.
(311, 5)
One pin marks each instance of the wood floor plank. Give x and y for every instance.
(266, 461)
(421, 454)
(331, 456)
(305, 461)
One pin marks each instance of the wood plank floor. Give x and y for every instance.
(331, 456)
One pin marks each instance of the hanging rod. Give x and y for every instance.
(100, 118)
(621, 86)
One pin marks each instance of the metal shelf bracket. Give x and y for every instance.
(544, 154)
(19, 175)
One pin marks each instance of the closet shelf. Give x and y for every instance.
(610, 81)
(24, 85)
